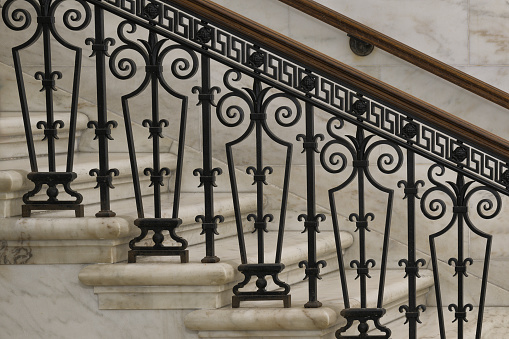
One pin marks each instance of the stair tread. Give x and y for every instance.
(495, 324)
(190, 207)
(250, 315)
(294, 248)
(123, 274)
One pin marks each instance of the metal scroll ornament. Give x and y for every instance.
(258, 99)
(154, 52)
(359, 147)
(460, 194)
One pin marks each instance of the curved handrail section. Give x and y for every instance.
(400, 50)
(327, 66)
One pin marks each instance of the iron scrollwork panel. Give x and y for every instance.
(258, 99)
(74, 19)
(330, 93)
(460, 193)
(153, 51)
(359, 147)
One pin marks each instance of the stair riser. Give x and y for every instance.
(158, 298)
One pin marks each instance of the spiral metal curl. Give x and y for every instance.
(337, 159)
(285, 112)
(485, 204)
(233, 112)
(436, 205)
(181, 68)
(74, 16)
(126, 64)
(387, 159)
(19, 15)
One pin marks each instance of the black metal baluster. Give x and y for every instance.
(19, 74)
(361, 221)
(311, 219)
(48, 83)
(102, 125)
(259, 177)
(207, 173)
(460, 262)
(412, 310)
(156, 173)
(157, 224)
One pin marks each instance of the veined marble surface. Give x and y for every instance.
(163, 283)
(48, 301)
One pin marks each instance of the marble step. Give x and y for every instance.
(56, 238)
(14, 183)
(495, 324)
(191, 205)
(163, 283)
(12, 133)
(269, 319)
(294, 251)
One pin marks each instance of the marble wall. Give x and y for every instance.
(467, 34)
(49, 301)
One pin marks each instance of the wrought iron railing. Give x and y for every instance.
(261, 69)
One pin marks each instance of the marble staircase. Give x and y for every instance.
(58, 240)
(64, 296)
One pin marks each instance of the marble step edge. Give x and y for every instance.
(11, 125)
(297, 321)
(294, 253)
(165, 285)
(64, 240)
(191, 206)
(15, 180)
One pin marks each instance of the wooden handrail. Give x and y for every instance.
(308, 57)
(399, 49)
